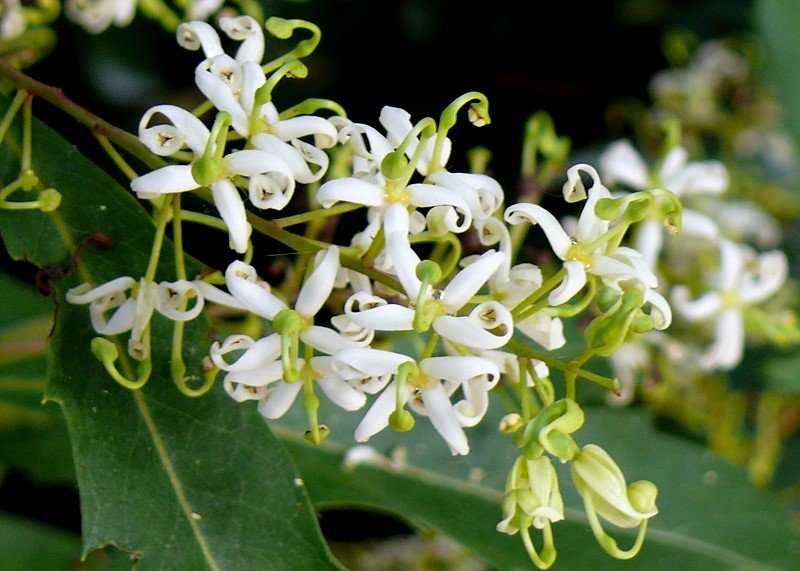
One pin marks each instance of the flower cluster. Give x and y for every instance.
(436, 257)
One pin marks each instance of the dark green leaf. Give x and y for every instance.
(710, 516)
(182, 483)
(777, 22)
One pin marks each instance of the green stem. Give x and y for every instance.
(162, 218)
(548, 285)
(56, 97)
(204, 219)
(121, 163)
(12, 110)
(303, 217)
(521, 350)
(27, 116)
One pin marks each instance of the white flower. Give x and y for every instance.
(397, 123)
(488, 326)
(427, 391)
(203, 9)
(622, 163)
(97, 15)
(269, 176)
(259, 372)
(374, 190)
(613, 266)
(532, 487)
(232, 85)
(132, 313)
(736, 288)
(12, 21)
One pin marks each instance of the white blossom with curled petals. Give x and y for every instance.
(12, 21)
(622, 163)
(257, 373)
(231, 84)
(488, 325)
(611, 266)
(133, 311)
(737, 286)
(374, 191)
(186, 130)
(427, 391)
(97, 15)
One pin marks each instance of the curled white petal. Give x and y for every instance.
(252, 293)
(535, 214)
(621, 162)
(168, 179)
(231, 208)
(317, 288)
(166, 139)
(570, 285)
(279, 399)
(172, 296)
(256, 354)
(196, 35)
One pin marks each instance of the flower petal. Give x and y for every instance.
(470, 280)
(726, 351)
(196, 35)
(375, 313)
(377, 417)
(364, 362)
(535, 214)
(461, 368)
(622, 163)
(325, 340)
(698, 310)
(248, 31)
(279, 399)
(570, 285)
(231, 208)
(251, 292)
(773, 268)
(352, 190)
(256, 356)
(167, 139)
(168, 179)
(444, 419)
(341, 393)
(318, 286)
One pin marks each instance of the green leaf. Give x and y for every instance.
(181, 483)
(33, 436)
(32, 546)
(777, 22)
(710, 516)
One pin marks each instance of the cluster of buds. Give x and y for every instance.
(532, 495)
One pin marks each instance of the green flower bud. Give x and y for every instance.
(608, 208)
(642, 495)
(598, 479)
